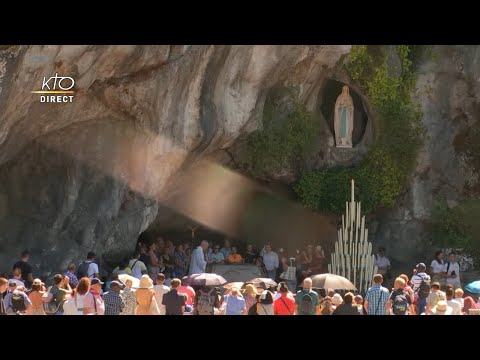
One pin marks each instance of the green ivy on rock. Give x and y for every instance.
(289, 131)
(380, 176)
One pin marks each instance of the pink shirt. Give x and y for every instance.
(187, 290)
(88, 302)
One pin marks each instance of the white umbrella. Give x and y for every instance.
(135, 282)
(332, 281)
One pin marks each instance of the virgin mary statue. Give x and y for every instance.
(344, 119)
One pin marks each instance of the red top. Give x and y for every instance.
(284, 305)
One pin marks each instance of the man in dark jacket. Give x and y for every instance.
(347, 307)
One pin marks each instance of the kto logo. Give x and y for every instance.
(56, 85)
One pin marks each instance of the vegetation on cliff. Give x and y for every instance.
(288, 134)
(457, 226)
(384, 170)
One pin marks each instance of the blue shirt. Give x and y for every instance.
(377, 297)
(225, 251)
(234, 305)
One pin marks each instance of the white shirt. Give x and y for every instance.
(138, 268)
(453, 267)
(456, 309)
(436, 266)
(159, 291)
(70, 308)
(18, 282)
(92, 269)
(270, 260)
(460, 301)
(417, 280)
(382, 263)
(198, 263)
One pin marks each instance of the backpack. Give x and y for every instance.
(82, 270)
(424, 289)
(400, 304)
(50, 305)
(306, 306)
(205, 303)
(18, 301)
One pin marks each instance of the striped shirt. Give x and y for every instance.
(417, 280)
(377, 297)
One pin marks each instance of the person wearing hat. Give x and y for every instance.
(114, 304)
(145, 295)
(442, 308)
(265, 303)
(417, 279)
(36, 298)
(93, 303)
(337, 300)
(11, 309)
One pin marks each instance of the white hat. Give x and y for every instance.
(442, 308)
(337, 299)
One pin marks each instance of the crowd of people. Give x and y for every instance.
(164, 287)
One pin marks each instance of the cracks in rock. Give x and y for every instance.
(232, 159)
(138, 75)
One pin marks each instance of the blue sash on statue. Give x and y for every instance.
(343, 122)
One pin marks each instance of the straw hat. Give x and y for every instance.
(442, 308)
(146, 282)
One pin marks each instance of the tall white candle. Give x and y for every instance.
(353, 191)
(347, 219)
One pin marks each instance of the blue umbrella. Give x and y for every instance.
(473, 287)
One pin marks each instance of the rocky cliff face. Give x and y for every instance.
(85, 175)
(448, 91)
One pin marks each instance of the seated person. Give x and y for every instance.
(250, 255)
(234, 258)
(216, 257)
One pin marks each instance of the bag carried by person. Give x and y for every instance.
(154, 310)
(18, 301)
(50, 305)
(306, 306)
(424, 289)
(290, 274)
(82, 270)
(400, 304)
(205, 303)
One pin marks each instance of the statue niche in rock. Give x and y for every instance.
(344, 119)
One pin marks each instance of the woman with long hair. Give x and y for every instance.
(75, 306)
(35, 296)
(436, 267)
(249, 295)
(265, 304)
